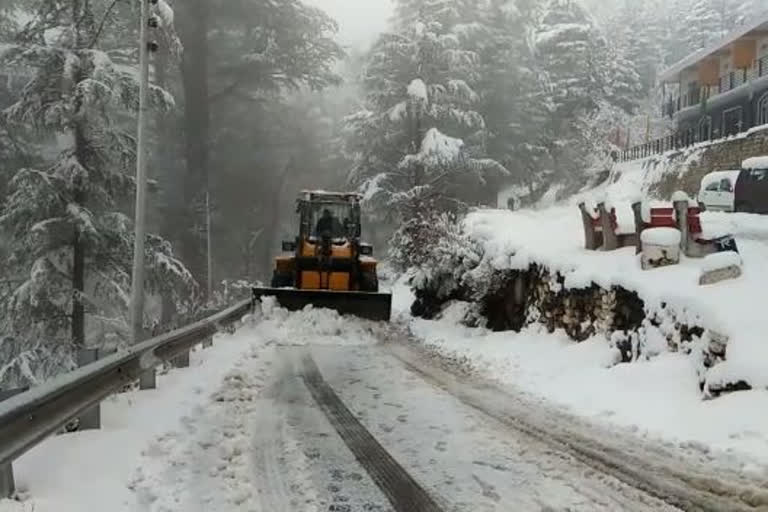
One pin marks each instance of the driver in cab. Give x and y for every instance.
(329, 224)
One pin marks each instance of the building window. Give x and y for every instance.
(733, 121)
(762, 109)
(705, 128)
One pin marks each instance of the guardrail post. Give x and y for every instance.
(148, 379)
(90, 419)
(7, 484)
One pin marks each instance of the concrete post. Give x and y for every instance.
(7, 484)
(637, 211)
(591, 241)
(610, 239)
(681, 215)
(90, 419)
(148, 380)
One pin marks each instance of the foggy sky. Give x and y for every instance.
(360, 21)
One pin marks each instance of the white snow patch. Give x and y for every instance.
(397, 113)
(166, 13)
(436, 149)
(661, 236)
(417, 90)
(720, 261)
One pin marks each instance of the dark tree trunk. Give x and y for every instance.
(78, 252)
(193, 28)
(83, 22)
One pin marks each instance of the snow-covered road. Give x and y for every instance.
(264, 444)
(313, 412)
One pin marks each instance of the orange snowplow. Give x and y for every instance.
(327, 265)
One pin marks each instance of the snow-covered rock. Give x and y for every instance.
(719, 267)
(720, 261)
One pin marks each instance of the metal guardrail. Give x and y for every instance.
(28, 418)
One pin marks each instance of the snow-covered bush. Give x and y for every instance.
(441, 254)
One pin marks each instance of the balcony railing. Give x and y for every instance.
(695, 95)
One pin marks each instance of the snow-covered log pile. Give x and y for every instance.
(526, 268)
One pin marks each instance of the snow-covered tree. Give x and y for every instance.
(515, 100)
(703, 25)
(420, 144)
(70, 244)
(565, 45)
(620, 83)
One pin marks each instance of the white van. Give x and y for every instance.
(717, 190)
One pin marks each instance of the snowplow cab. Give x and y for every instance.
(327, 265)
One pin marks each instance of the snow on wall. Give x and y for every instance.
(553, 239)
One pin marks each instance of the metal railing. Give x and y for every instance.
(29, 417)
(694, 96)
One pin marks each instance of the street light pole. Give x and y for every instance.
(137, 284)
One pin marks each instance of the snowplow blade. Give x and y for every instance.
(371, 306)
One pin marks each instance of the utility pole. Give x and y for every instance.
(137, 282)
(209, 245)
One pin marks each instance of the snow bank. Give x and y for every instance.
(656, 398)
(314, 326)
(554, 238)
(91, 470)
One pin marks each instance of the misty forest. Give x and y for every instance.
(253, 101)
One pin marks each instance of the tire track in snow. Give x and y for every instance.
(689, 492)
(403, 492)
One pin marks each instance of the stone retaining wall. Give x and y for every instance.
(520, 299)
(686, 168)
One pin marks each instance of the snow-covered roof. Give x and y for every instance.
(716, 176)
(760, 23)
(758, 162)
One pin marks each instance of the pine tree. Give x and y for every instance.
(569, 49)
(565, 45)
(621, 84)
(634, 33)
(420, 144)
(70, 243)
(514, 95)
